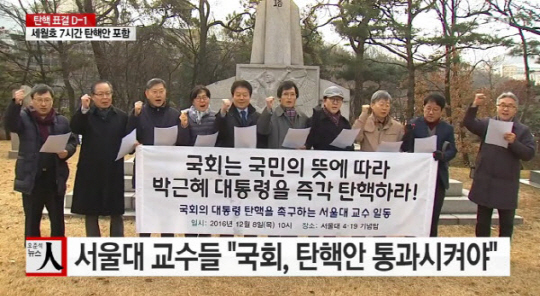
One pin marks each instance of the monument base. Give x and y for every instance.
(266, 79)
(13, 154)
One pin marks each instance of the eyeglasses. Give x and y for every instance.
(202, 98)
(41, 101)
(434, 110)
(336, 100)
(503, 106)
(383, 104)
(106, 94)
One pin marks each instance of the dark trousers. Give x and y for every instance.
(440, 193)
(483, 222)
(92, 226)
(162, 235)
(33, 205)
(196, 235)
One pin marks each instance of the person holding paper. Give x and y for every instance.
(156, 113)
(430, 125)
(496, 178)
(276, 123)
(40, 177)
(375, 123)
(239, 113)
(99, 183)
(198, 119)
(327, 122)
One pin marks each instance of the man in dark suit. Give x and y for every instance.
(238, 114)
(426, 126)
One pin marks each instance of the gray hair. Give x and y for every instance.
(510, 95)
(380, 95)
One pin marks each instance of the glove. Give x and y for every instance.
(438, 155)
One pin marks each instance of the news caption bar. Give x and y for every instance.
(262, 256)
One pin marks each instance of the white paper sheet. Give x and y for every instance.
(165, 136)
(296, 138)
(127, 145)
(425, 145)
(389, 146)
(55, 143)
(245, 137)
(206, 140)
(346, 138)
(496, 130)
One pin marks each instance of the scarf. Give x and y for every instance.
(290, 113)
(197, 115)
(432, 125)
(103, 112)
(333, 117)
(43, 123)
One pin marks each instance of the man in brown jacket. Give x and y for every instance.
(375, 123)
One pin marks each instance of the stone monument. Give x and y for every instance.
(276, 56)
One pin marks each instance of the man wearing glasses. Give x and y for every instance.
(40, 177)
(496, 179)
(327, 122)
(99, 183)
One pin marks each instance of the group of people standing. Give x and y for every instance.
(99, 181)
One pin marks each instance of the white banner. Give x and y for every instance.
(283, 192)
(81, 33)
(284, 257)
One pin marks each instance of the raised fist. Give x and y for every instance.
(226, 105)
(85, 102)
(184, 119)
(19, 96)
(269, 102)
(479, 100)
(366, 108)
(137, 108)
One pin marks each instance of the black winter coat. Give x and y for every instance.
(496, 179)
(27, 165)
(99, 183)
(324, 131)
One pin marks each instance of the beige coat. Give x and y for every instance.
(371, 135)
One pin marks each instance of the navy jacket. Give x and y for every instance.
(26, 167)
(418, 128)
(225, 125)
(150, 118)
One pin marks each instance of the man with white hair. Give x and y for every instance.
(375, 123)
(496, 178)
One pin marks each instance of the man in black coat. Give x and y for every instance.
(40, 177)
(99, 183)
(496, 179)
(156, 113)
(327, 122)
